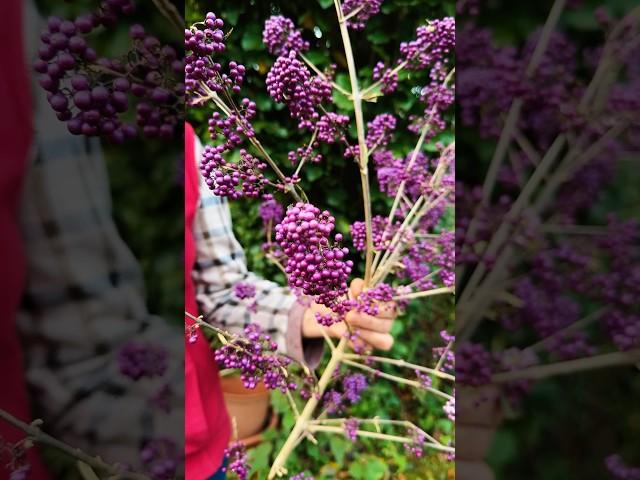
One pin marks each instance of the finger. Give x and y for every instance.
(479, 406)
(472, 442)
(368, 322)
(387, 310)
(337, 330)
(472, 470)
(356, 287)
(381, 341)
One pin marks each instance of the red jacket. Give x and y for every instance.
(15, 141)
(206, 423)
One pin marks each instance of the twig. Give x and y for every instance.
(538, 372)
(322, 75)
(379, 436)
(399, 363)
(37, 435)
(426, 293)
(171, 13)
(397, 379)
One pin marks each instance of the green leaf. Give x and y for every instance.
(252, 38)
(339, 447)
(368, 468)
(378, 37)
(313, 172)
(325, 3)
(260, 457)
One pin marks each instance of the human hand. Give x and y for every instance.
(477, 416)
(373, 331)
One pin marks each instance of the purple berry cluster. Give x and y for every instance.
(290, 82)
(370, 300)
(448, 364)
(473, 364)
(353, 385)
(137, 360)
(434, 43)
(416, 447)
(301, 476)
(450, 409)
(387, 77)
(92, 94)
(365, 10)
(382, 233)
(236, 455)
(233, 180)
(244, 290)
(623, 328)
(351, 428)
(380, 130)
(270, 210)
(202, 71)
(332, 401)
(314, 264)
(304, 154)
(620, 470)
(20, 473)
(331, 127)
(254, 355)
(161, 458)
(281, 36)
(425, 380)
(391, 171)
(14, 459)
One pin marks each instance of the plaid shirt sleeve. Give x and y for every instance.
(220, 265)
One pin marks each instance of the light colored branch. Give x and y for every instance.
(171, 13)
(426, 293)
(399, 363)
(356, 98)
(34, 433)
(397, 379)
(616, 359)
(277, 468)
(583, 322)
(379, 436)
(322, 75)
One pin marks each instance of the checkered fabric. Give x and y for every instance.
(221, 264)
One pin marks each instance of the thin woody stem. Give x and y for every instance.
(585, 321)
(356, 98)
(631, 357)
(425, 293)
(322, 75)
(277, 468)
(35, 434)
(398, 67)
(171, 13)
(397, 379)
(379, 436)
(211, 95)
(376, 421)
(399, 363)
(444, 355)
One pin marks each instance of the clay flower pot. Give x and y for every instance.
(250, 408)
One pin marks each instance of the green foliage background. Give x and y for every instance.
(334, 184)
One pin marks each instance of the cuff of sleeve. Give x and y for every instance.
(307, 351)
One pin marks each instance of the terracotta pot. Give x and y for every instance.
(250, 408)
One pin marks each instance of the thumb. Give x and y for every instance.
(356, 287)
